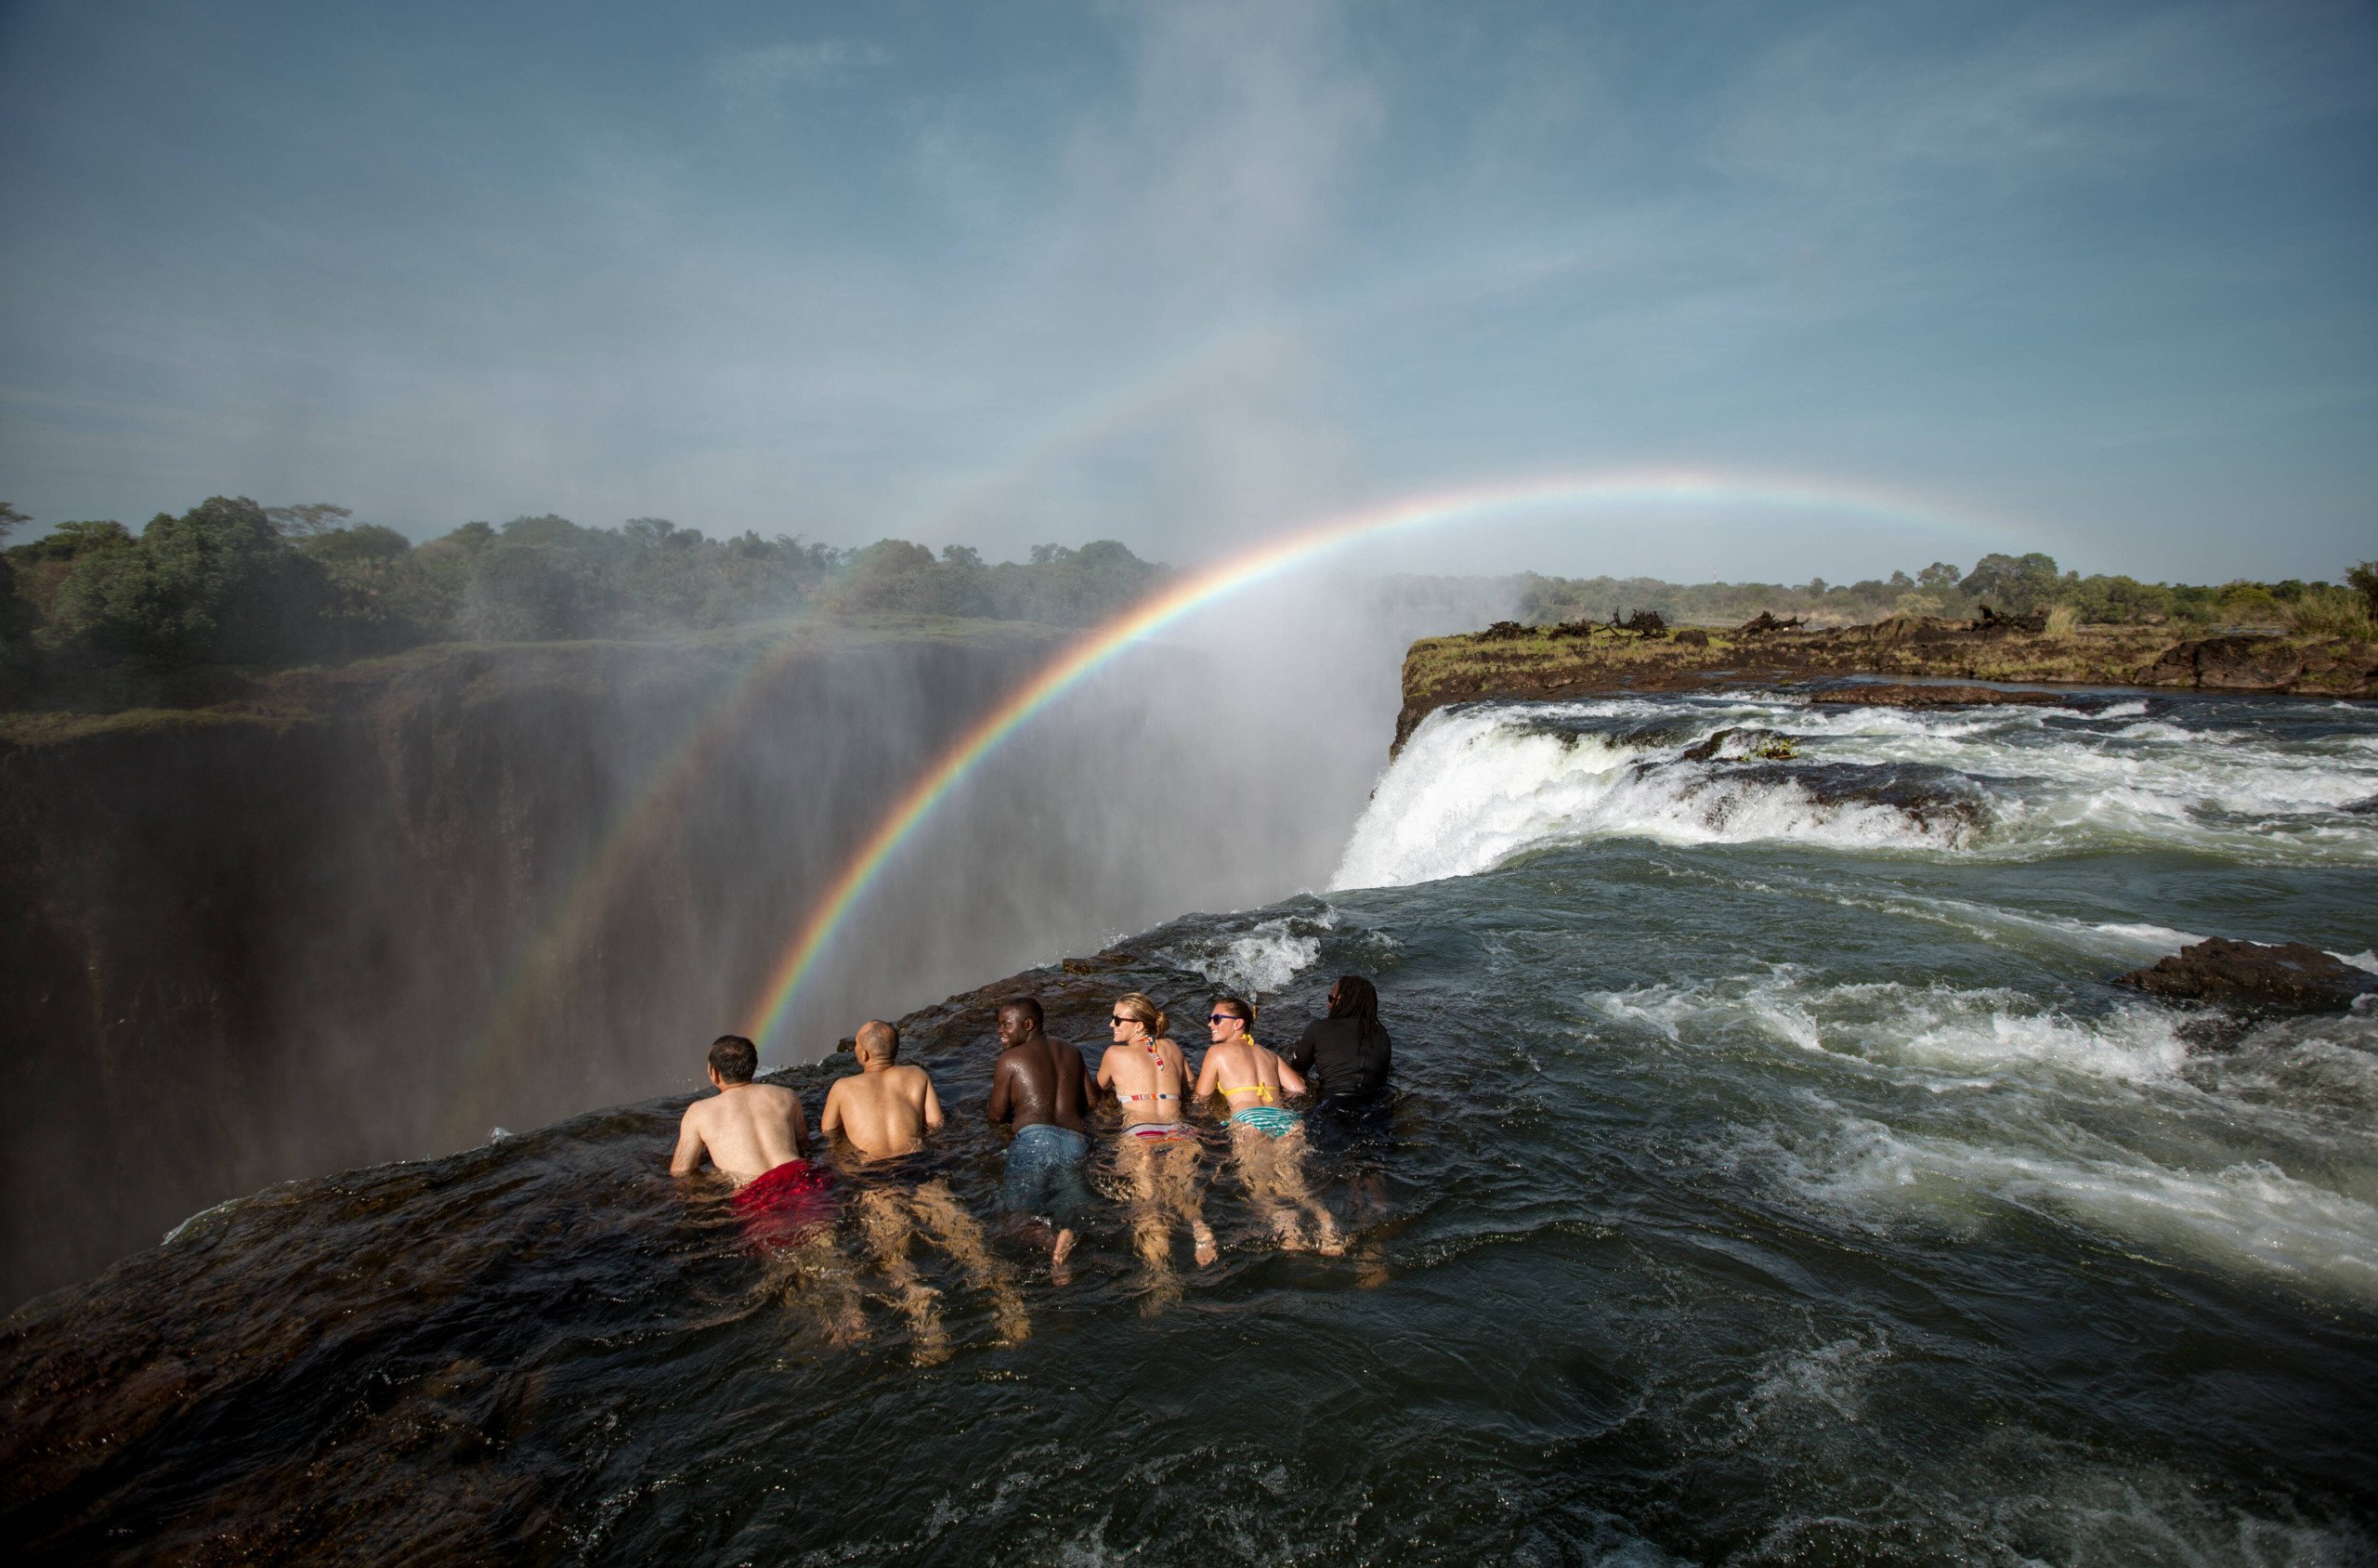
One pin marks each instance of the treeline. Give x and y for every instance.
(95, 612)
(2008, 584)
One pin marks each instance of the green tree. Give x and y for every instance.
(2013, 584)
(2362, 578)
(304, 522)
(16, 618)
(214, 585)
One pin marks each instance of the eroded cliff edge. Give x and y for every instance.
(1557, 662)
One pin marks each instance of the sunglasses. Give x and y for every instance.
(1119, 1018)
(1218, 1017)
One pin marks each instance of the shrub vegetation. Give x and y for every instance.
(94, 614)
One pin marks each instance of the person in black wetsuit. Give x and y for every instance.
(1345, 1057)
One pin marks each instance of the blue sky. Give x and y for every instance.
(1183, 274)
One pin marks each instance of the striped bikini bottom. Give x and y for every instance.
(1279, 1123)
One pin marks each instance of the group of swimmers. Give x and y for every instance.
(1045, 1091)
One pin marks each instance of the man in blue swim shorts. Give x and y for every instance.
(1044, 1089)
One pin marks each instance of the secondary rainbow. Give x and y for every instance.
(1201, 588)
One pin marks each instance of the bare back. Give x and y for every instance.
(1151, 1080)
(1246, 1074)
(746, 1129)
(1040, 1081)
(883, 1111)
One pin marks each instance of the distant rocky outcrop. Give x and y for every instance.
(2286, 975)
(1928, 661)
(1897, 695)
(1990, 620)
(2264, 665)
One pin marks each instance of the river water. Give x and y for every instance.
(1773, 1178)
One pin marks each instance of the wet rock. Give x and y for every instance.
(2228, 664)
(1753, 742)
(2363, 808)
(1764, 621)
(1903, 696)
(2287, 974)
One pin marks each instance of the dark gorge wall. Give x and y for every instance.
(240, 950)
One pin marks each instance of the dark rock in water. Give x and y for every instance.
(2287, 974)
(1902, 696)
(1928, 796)
(2228, 664)
(1754, 743)
(2363, 808)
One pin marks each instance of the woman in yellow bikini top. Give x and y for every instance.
(1145, 1070)
(1250, 1079)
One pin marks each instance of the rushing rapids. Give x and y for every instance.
(1774, 1177)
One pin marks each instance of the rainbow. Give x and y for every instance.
(1195, 590)
(617, 848)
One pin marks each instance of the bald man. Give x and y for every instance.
(884, 1109)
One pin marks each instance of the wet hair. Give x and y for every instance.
(1241, 1010)
(1136, 1004)
(1028, 1006)
(1358, 999)
(734, 1058)
(881, 1041)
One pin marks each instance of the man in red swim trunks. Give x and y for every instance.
(754, 1133)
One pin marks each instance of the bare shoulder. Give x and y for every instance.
(700, 1111)
(912, 1079)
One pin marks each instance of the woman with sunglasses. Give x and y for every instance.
(1266, 1138)
(1149, 1076)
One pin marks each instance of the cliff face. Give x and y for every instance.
(243, 948)
(1533, 662)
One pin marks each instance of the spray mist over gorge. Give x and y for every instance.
(453, 902)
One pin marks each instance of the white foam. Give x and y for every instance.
(1475, 786)
(2248, 1217)
(1969, 1032)
(1263, 959)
